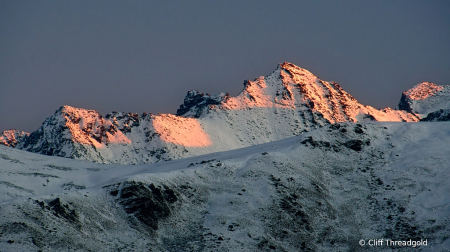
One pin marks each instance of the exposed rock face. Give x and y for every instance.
(425, 98)
(148, 204)
(200, 101)
(288, 102)
(437, 116)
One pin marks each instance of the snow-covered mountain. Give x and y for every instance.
(292, 163)
(325, 190)
(288, 102)
(425, 98)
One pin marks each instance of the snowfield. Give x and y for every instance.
(324, 190)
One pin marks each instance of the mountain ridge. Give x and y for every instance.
(289, 101)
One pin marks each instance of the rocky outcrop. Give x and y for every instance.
(437, 116)
(12, 137)
(198, 101)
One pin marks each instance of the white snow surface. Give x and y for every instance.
(321, 191)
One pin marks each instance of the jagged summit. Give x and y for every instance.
(422, 91)
(425, 98)
(254, 94)
(289, 101)
(291, 87)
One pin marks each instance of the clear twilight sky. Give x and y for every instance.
(143, 56)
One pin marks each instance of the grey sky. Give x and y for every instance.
(143, 56)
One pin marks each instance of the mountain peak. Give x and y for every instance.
(425, 98)
(292, 87)
(292, 68)
(422, 91)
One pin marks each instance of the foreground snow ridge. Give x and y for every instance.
(325, 190)
(285, 103)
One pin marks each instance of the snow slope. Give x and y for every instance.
(288, 102)
(321, 191)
